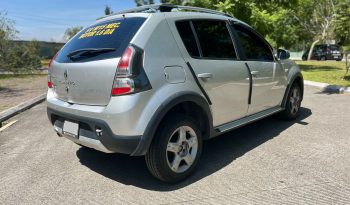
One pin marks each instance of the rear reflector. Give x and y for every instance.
(120, 91)
(49, 84)
(123, 86)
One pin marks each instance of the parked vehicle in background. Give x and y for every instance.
(157, 82)
(324, 52)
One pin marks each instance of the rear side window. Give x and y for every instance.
(215, 40)
(254, 47)
(213, 37)
(115, 34)
(188, 38)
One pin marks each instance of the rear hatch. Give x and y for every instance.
(84, 69)
(335, 50)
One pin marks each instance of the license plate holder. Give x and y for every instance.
(71, 129)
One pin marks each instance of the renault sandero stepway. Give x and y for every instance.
(157, 80)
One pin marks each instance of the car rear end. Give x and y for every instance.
(96, 84)
(334, 52)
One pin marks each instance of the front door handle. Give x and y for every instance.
(254, 73)
(205, 76)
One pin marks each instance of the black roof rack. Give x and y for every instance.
(165, 8)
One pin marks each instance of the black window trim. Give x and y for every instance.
(238, 57)
(255, 33)
(199, 48)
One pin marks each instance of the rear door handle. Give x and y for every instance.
(254, 73)
(205, 76)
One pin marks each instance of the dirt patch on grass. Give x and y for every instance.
(18, 89)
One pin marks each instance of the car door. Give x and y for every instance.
(268, 75)
(208, 47)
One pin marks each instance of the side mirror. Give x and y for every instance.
(283, 54)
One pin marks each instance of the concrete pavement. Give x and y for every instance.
(268, 162)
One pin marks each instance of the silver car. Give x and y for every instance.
(158, 80)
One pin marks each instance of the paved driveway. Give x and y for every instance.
(268, 162)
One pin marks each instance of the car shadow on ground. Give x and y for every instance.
(217, 154)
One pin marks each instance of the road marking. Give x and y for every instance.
(7, 125)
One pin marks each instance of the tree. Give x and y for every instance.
(7, 33)
(177, 2)
(70, 32)
(285, 23)
(347, 64)
(342, 22)
(271, 18)
(143, 2)
(317, 17)
(32, 55)
(16, 57)
(108, 10)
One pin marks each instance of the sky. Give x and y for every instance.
(46, 20)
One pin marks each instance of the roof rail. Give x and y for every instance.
(153, 8)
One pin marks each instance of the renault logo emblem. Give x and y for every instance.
(66, 82)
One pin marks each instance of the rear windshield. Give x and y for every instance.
(334, 47)
(115, 34)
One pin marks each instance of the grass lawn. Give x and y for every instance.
(331, 72)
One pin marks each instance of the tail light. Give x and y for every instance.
(125, 62)
(49, 83)
(130, 76)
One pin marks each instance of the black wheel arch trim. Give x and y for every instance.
(161, 112)
(292, 80)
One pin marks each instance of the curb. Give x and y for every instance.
(7, 114)
(328, 87)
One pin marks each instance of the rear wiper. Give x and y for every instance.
(88, 52)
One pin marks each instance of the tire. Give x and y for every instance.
(293, 103)
(171, 158)
(304, 58)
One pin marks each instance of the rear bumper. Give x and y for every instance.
(106, 141)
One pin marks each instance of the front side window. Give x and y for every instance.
(254, 47)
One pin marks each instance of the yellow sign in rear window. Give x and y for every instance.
(101, 30)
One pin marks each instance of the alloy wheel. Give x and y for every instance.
(182, 149)
(295, 101)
